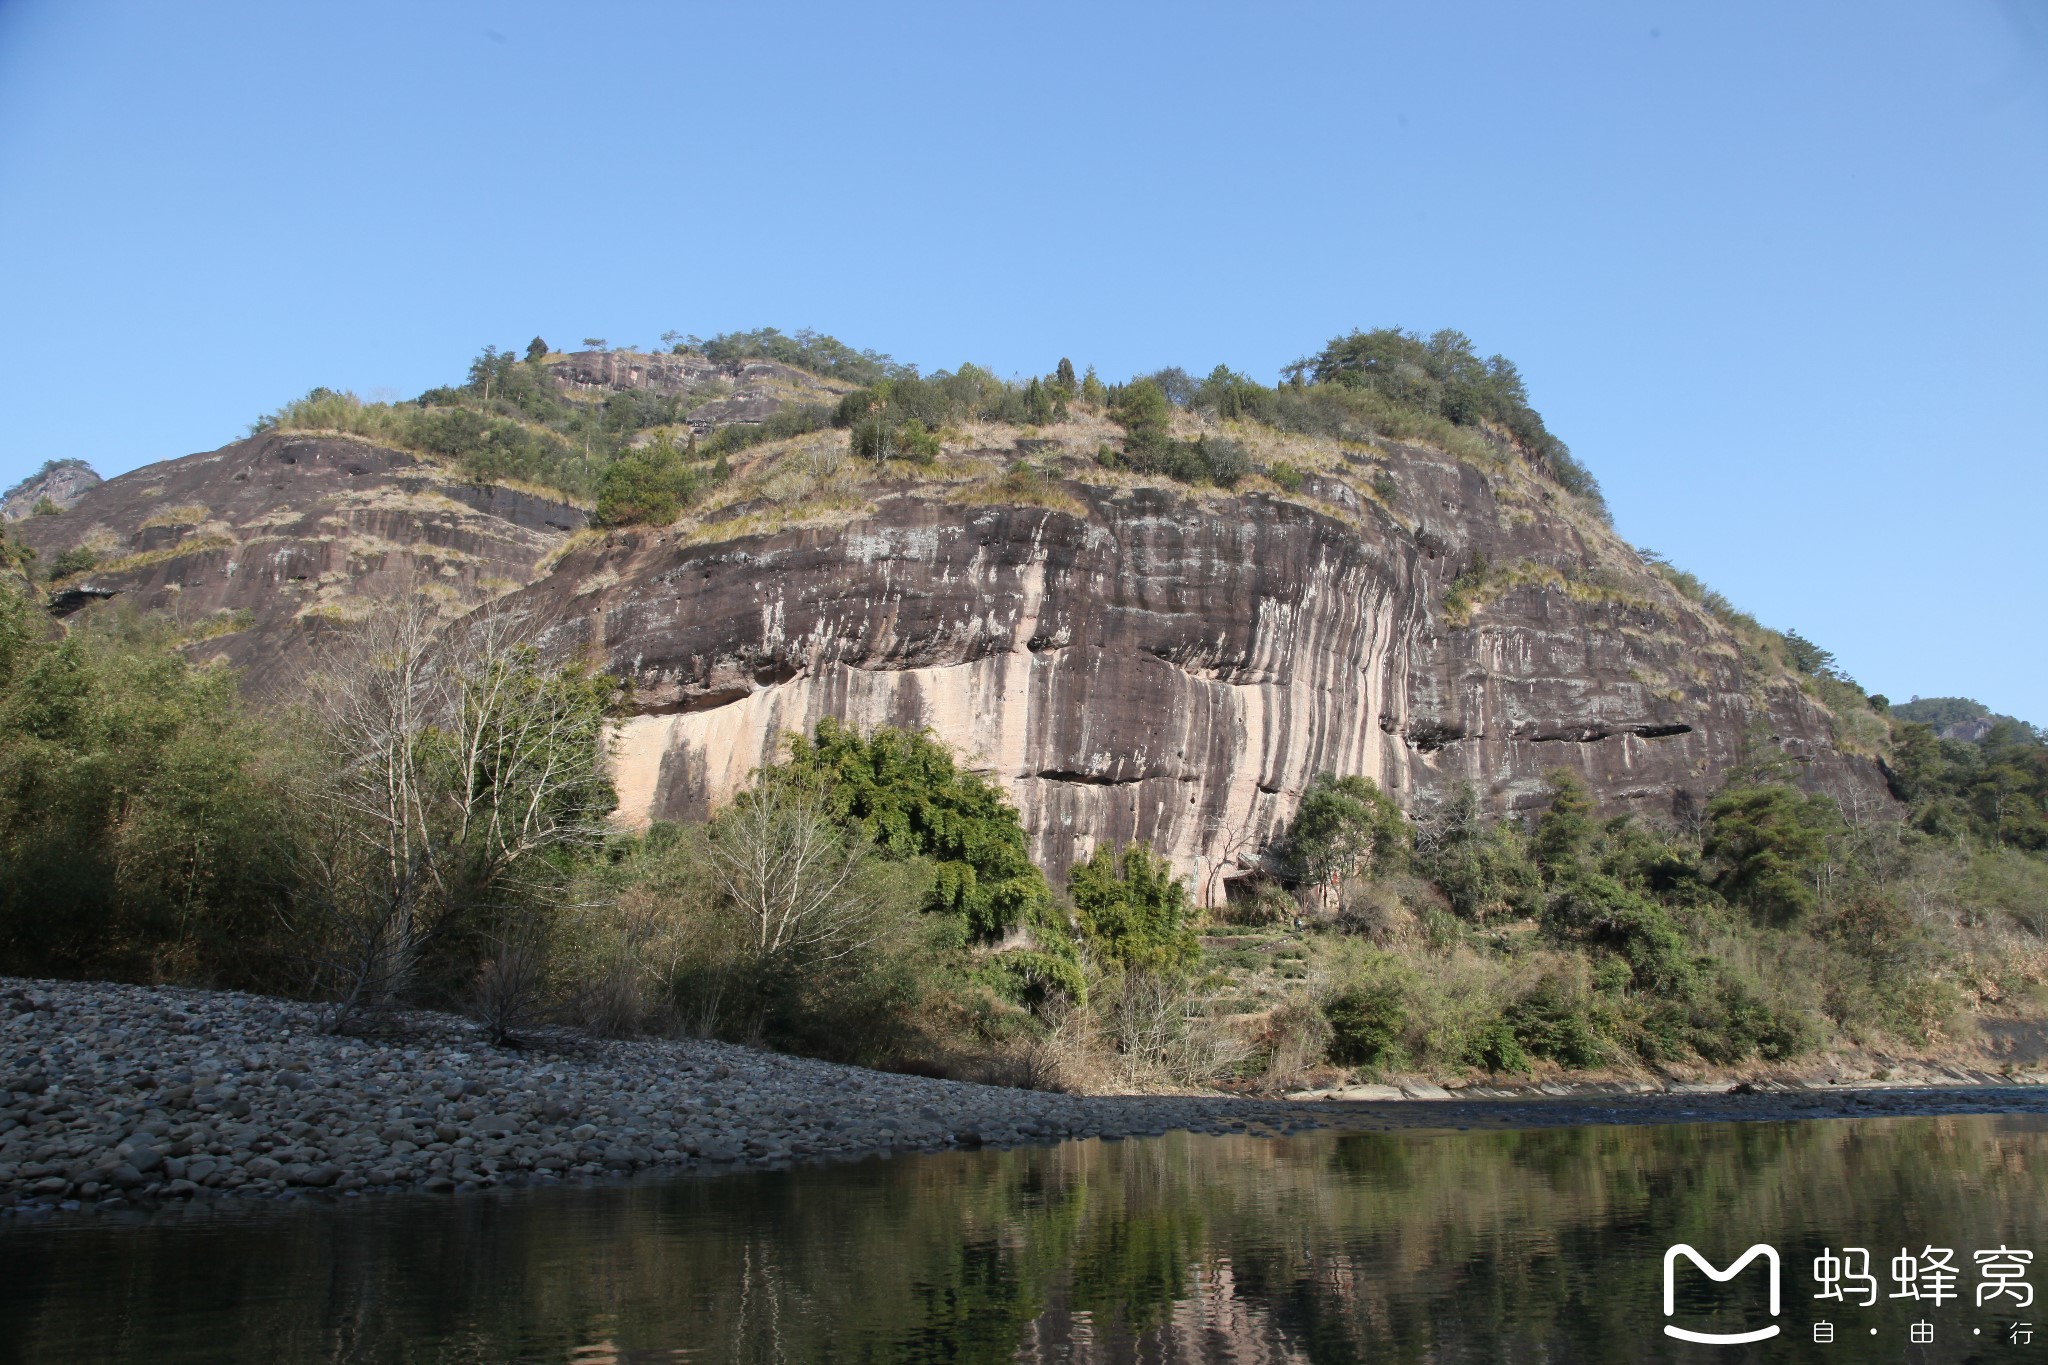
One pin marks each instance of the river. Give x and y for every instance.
(1543, 1245)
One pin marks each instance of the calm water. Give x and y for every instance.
(1523, 1246)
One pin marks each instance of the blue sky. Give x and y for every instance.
(1775, 272)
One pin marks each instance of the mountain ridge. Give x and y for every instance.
(1509, 630)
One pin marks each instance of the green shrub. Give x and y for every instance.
(1442, 376)
(1495, 1047)
(650, 486)
(807, 350)
(1344, 827)
(902, 792)
(780, 425)
(140, 832)
(1133, 912)
(1141, 409)
(1566, 828)
(1036, 979)
(1482, 866)
(77, 559)
(1366, 1024)
(1555, 1020)
(1771, 845)
(15, 557)
(1266, 904)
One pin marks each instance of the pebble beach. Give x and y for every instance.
(115, 1097)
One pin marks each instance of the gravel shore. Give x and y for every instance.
(121, 1096)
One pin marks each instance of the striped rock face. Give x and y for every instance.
(1129, 662)
(1174, 668)
(282, 537)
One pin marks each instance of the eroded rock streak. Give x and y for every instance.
(1166, 670)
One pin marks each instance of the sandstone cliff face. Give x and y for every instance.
(1130, 662)
(61, 485)
(277, 538)
(1171, 668)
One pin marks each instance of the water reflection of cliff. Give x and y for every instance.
(1498, 1245)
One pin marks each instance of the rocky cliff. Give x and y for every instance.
(719, 393)
(58, 484)
(1145, 662)
(262, 545)
(1129, 657)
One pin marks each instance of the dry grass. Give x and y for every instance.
(219, 624)
(1466, 599)
(828, 510)
(186, 514)
(400, 498)
(568, 545)
(191, 545)
(597, 582)
(1017, 489)
(345, 612)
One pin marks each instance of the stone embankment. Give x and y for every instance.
(115, 1096)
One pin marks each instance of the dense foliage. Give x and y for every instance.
(1994, 790)
(1142, 407)
(806, 350)
(1939, 713)
(651, 485)
(1750, 933)
(1133, 912)
(1344, 826)
(902, 792)
(138, 823)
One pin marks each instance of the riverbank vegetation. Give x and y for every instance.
(430, 823)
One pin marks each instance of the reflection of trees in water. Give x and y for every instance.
(1383, 1246)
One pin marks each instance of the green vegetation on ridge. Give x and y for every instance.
(511, 422)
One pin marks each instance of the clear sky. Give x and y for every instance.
(1775, 272)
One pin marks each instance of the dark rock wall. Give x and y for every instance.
(721, 393)
(300, 532)
(1146, 664)
(1176, 670)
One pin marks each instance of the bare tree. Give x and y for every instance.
(1230, 843)
(793, 878)
(454, 760)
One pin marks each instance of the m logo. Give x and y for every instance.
(1671, 1255)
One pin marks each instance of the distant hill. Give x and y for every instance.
(1955, 717)
(58, 484)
